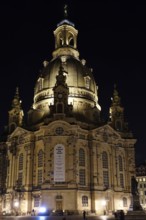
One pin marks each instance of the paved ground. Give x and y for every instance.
(56, 218)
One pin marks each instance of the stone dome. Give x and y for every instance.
(82, 88)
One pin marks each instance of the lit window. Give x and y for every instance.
(84, 201)
(124, 202)
(36, 202)
(87, 82)
(40, 83)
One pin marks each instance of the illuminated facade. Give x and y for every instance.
(64, 157)
(141, 179)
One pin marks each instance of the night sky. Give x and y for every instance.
(111, 38)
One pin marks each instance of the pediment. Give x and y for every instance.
(106, 132)
(19, 132)
(58, 127)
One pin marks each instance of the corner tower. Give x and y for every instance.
(16, 113)
(116, 118)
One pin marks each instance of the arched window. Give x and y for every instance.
(4, 203)
(105, 169)
(124, 202)
(71, 42)
(87, 82)
(104, 160)
(84, 201)
(40, 83)
(82, 180)
(120, 164)
(81, 157)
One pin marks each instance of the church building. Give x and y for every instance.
(64, 157)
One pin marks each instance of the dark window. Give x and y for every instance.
(121, 180)
(40, 158)
(104, 160)
(120, 164)
(82, 180)
(105, 178)
(59, 108)
(81, 157)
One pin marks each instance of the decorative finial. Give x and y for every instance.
(116, 98)
(17, 91)
(65, 11)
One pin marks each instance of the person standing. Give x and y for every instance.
(84, 214)
(122, 215)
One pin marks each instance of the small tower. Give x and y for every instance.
(61, 92)
(116, 116)
(65, 38)
(16, 113)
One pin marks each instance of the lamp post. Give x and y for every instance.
(16, 206)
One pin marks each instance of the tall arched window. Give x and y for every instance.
(124, 202)
(105, 169)
(40, 167)
(104, 160)
(82, 177)
(121, 173)
(81, 157)
(20, 170)
(84, 201)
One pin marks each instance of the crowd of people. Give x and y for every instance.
(119, 215)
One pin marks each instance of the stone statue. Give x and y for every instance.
(134, 184)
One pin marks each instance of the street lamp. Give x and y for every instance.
(16, 206)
